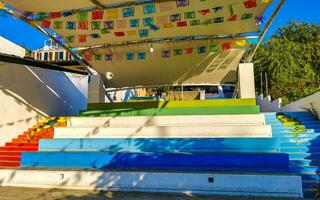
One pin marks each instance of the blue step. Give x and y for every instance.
(305, 162)
(162, 145)
(290, 114)
(255, 162)
(305, 169)
(310, 176)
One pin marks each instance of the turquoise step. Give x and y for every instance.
(300, 149)
(162, 145)
(310, 156)
(291, 114)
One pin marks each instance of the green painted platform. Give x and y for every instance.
(173, 104)
(222, 110)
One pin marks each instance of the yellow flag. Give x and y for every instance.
(2, 7)
(241, 43)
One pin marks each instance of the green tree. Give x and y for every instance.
(291, 60)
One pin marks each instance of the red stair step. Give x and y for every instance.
(18, 148)
(12, 144)
(10, 158)
(9, 164)
(10, 153)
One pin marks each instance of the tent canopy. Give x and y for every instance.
(126, 34)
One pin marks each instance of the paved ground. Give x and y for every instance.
(13, 193)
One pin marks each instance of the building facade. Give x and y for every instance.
(51, 52)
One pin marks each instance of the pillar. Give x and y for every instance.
(96, 93)
(246, 81)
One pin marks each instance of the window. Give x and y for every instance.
(56, 56)
(50, 56)
(39, 56)
(46, 56)
(61, 55)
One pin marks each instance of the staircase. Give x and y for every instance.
(10, 154)
(302, 146)
(204, 147)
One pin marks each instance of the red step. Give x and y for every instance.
(9, 164)
(10, 158)
(18, 148)
(12, 144)
(10, 153)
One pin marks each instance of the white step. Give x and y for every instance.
(254, 119)
(258, 131)
(191, 183)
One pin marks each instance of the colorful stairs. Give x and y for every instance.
(10, 154)
(302, 146)
(120, 145)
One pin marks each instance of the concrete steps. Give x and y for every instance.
(83, 122)
(167, 132)
(207, 183)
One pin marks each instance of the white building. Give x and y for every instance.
(8, 47)
(51, 51)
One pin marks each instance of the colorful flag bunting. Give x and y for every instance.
(119, 34)
(122, 24)
(45, 24)
(204, 12)
(88, 57)
(182, 3)
(57, 25)
(214, 48)
(217, 9)
(147, 21)
(233, 18)
(132, 33)
(250, 4)
(130, 56)
(71, 25)
(143, 33)
(109, 25)
(202, 50)
(246, 16)
(142, 55)
(95, 36)
(175, 17)
(83, 16)
(149, 9)
(69, 39)
(112, 14)
(177, 52)
(96, 15)
(241, 43)
(98, 57)
(67, 13)
(226, 46)
(95, 25)
(154, 27)
(83, 25)
(194, 22)
(218, 20)
(190, 15)
(189, 50)
(165, 54)
(128, 12)
(104, 31)
(182, 24)
(165, 6)
(134, 23)
(55, 15)
(108, 57)
(82, 38)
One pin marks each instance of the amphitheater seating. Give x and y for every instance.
(142, 139)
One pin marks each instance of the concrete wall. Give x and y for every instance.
(10, 48)
(27, 93)
(311, 102)
(267, 105)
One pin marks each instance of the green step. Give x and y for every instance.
(173, 104)
(223, 110)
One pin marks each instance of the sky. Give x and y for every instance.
(298, 10)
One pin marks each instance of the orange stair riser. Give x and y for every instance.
(10, 153)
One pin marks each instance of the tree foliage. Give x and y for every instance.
(291, 60)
